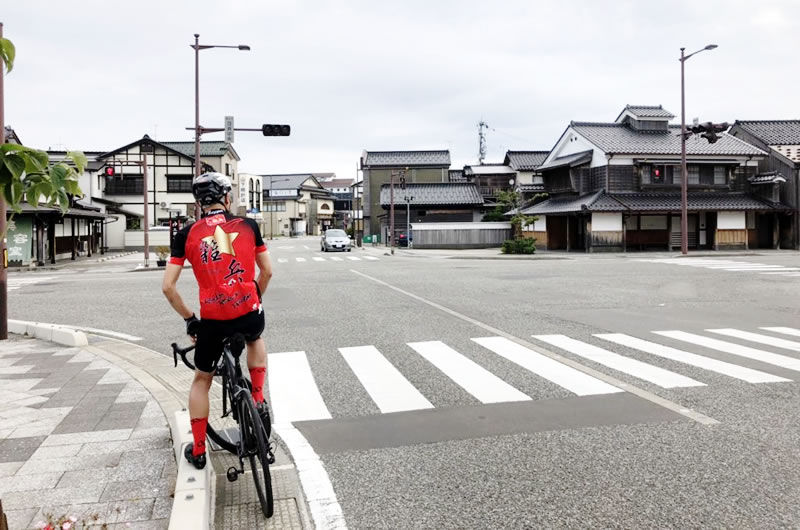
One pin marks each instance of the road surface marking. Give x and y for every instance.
(334, 258)
(757, 269)
(756, 337)
(788, 271)
(552, 356)
(372, 258)
(15, 283)
(657, 376)
(318, 259)
(300, 259)
(384, 383)
(481, 383)
(306, 247)
(707, 363)
(734, 349)
(295, 396)
(576, 382)
(283, 260)
(786, 331)
(353, 258)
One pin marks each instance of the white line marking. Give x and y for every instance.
(353, 258)
(576, 382)
(372, 258)
(295, 395)
(300, 259)
(755, 337)
(335, 258)
(692, 359)
(741, 266)
(481, 383)
(734, 349)
(384, 383)
(578, 367)
(283, 260)
(318, 259)
(657, 376)
(788, 271)
(322, 502)
(306, 247)
(786, 331)
(106, 332)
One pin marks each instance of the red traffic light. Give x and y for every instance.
(109, 171)
(276, 130)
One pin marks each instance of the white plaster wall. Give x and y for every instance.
(731, 221)
(606, 222)
(540, 225)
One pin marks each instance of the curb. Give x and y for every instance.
(115, 256)
(49, 332)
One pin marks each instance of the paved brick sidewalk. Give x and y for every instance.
(80, 437)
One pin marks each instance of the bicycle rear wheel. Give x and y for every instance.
(254, 440)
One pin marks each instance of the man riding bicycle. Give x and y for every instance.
(223, 250)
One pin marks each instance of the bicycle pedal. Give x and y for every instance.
(232, 474)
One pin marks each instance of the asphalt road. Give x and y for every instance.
(602, 445)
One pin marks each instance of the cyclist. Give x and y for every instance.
(223, 250)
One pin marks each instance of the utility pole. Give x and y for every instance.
(3, 249)
(391, 212)
(684, 171)
(146, 216)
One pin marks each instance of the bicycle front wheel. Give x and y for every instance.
(254, 438)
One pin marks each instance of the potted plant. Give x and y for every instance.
(163, 253)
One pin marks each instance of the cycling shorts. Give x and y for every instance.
(211, 334)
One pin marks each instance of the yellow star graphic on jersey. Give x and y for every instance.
(224, 240)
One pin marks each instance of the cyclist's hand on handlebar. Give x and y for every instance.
(192, 326)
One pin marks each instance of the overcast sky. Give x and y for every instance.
(354, 75)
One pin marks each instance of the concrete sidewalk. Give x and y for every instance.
(80, 438)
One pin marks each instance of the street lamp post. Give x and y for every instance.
(198, 131)
(684, 172)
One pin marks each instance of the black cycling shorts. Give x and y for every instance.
(211, 333)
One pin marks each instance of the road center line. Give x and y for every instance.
(644, 394)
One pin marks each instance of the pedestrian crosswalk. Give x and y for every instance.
(296, 395)
(17, 282)
(299, 259)
(729, 266)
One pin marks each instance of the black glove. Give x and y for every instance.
(192, 325)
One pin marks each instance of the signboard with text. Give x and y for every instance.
(19, 241)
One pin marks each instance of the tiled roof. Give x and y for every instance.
(651, 202)
(284, 182)
(488, 169)
(572, 160)
(618, 138)
(525, 160)
(435, 194)
(647, 111)
(774, 132)
(769, 177)
(206, 148)
(456, 175)
(406, 158)
(337, 183)
(531, 188)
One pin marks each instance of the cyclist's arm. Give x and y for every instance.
(264, 271)
(169, 286)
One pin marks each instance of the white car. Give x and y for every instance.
(335, 239)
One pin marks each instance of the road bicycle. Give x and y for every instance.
(253, 442)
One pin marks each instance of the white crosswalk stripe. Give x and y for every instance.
(727, 265)
(296, 396)
(564, 376)
(786, 331)
(300, 260)
(15, 283)
(387, 387)
(647, 372)
(325, 259)
(335, 258)
(734, 349)
(353, 258)
(315, 258)
(478, 381)
(707, 363)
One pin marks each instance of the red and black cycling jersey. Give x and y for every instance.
(222, 249)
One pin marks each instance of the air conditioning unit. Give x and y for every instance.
(164, 205)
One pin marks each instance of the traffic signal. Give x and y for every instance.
(275, 130)
(109, 171)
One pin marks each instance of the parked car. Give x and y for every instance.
(335, 239)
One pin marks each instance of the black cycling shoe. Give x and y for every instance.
(263, 413)
(198, 462)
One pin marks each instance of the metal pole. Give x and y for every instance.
(391, 211)
(196, 114)
(684, 172)
(408, 221)
(271, 212)
(146, 216)
(3, 250)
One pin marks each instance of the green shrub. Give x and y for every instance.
(519, 245)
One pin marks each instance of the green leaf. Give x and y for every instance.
(63, 201)
(40, 158)
(71, 187)
(58, 173)
(17, 193)
(15, 163)
(5, 175)
(8, 52)
(79, 159)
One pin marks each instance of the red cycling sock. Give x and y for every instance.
(257, 376)
(199, 434)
